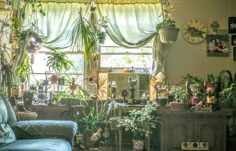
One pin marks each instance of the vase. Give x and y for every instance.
(211, 100)
(138, 145)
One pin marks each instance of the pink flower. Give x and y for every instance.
(210, 91)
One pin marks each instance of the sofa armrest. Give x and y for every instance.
(45, 129)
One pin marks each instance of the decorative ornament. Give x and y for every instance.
(215, 25)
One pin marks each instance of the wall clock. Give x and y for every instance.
(194, 31)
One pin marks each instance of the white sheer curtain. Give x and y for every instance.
(130, 25)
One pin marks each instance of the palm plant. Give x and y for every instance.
(84, 33)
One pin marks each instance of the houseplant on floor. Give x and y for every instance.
(140, 123)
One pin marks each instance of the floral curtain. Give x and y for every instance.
(130, 25)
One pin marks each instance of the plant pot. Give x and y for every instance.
(113, 122)
(195, 100)
(211, 100)
(138, 145)
(162, 101)
(168, 35)
(178, 106)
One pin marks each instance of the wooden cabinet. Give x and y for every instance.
(180, 127)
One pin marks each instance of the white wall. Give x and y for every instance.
(183, 57)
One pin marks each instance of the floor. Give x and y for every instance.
(102, 149)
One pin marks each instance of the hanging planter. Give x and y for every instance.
(167, 28)
(169, 34)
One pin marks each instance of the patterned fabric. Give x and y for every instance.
(6, 133)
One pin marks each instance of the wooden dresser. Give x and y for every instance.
(178, 127)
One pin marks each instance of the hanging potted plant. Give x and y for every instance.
(57, 62)
(167, 28)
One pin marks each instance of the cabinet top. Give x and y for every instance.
(167, 112)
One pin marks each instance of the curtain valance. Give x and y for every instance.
(105, 1)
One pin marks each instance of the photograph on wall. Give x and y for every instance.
(234, 53)
(218, 45)
(233, 39)
(232, 24)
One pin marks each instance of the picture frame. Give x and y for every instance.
(234, 54)
(232, 24)
(233, 40)
(218, 45)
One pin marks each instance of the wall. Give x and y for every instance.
(183, 57)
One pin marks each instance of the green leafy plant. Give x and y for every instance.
(178, 93)
(58, 61)
(94, 119)
(140, 122)
(168, 22)
(83, 34)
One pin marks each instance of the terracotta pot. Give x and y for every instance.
(73, 87)
(211, 100)
(138, 145)
(178, 106)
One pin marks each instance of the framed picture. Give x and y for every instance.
(232, 24)
(218, 45)
(234, 53)
(233, 39)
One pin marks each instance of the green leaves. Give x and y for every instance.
(58, 61)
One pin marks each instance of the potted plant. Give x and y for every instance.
(140, 123)
(57, 62)
(228, 96)
(113, 108)
(179, 96)
(167, 28)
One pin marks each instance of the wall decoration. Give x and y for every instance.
(217, 45)
(232, 24)
(234, 53)
(233, 39)
(194, 31)
(215, 25)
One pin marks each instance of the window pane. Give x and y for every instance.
(115, 56)
(121, 61)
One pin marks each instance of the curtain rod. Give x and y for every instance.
(104, 1)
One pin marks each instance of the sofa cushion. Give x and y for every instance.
(6, 133)
(38, 145)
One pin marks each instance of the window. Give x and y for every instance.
(115, 56)
(40, 71)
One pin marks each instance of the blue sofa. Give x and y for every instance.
(33, 135)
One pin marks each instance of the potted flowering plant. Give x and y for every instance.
(210, 96)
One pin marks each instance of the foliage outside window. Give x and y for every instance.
(114, 56)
